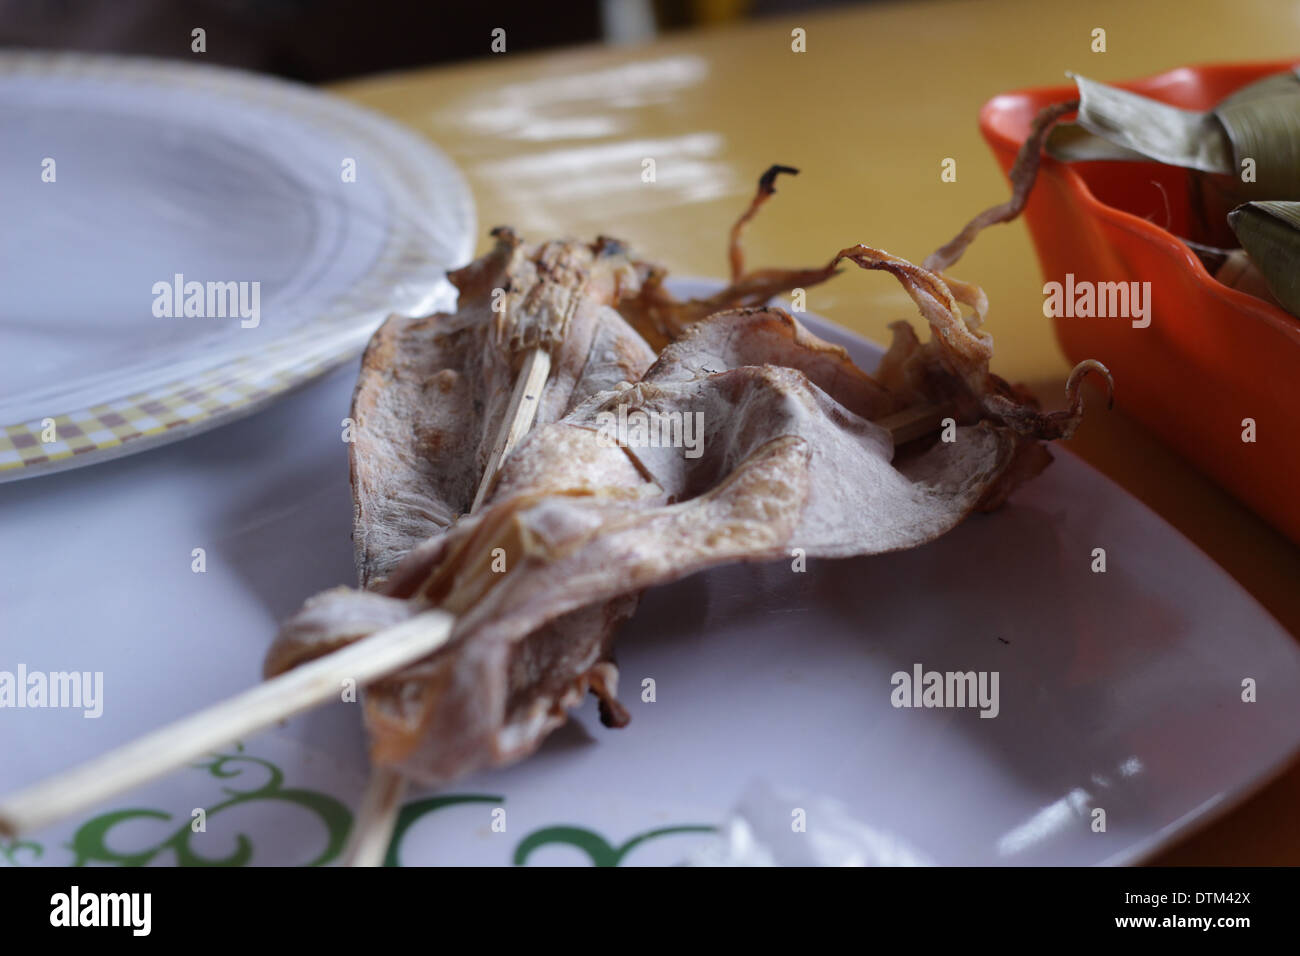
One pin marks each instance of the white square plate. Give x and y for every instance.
(1120, 691)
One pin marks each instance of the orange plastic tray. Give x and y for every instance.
(1212, 356)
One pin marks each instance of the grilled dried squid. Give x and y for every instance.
(797, 452)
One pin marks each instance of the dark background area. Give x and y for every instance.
(321, 40)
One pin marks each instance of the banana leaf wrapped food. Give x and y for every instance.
(1242, 159)
(1270, 235)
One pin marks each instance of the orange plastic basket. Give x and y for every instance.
(1212, 356)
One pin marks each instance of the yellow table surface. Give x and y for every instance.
(554, 144)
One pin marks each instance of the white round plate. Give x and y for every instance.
(129, 185)
(1118, 691)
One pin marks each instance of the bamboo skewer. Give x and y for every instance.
(316, 682)
(302, 688)
(519, 416)
(151, 756)
(377, 818)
